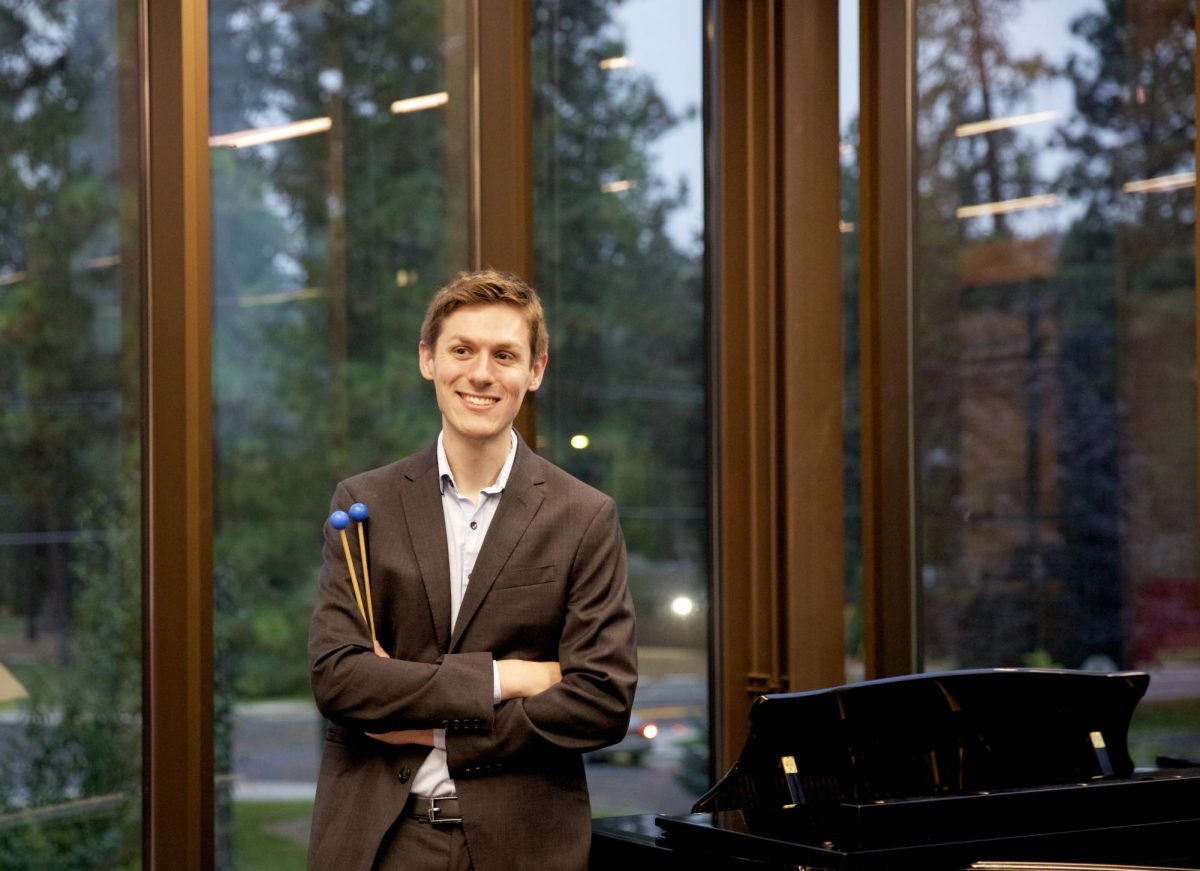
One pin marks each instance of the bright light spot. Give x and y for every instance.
(421, 103)
(1161, 183)
(1003, 207)
(681, 606)
(616, 63)
(992, 124)
(260, 135)
(650, 731)
(615, 187)
(580, 441)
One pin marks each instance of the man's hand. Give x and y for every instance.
(520, 678)
(404, 736)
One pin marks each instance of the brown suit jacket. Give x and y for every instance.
(549, 584)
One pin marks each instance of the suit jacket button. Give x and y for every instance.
(405, 774)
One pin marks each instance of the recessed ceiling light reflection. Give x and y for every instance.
(580, 441)
(977, 127)
(616, 63)
(261, 135)
(280, 297)
(1003, 207)
(419, 104)
(1160, 183)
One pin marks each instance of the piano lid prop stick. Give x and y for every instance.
(791, 774)
(339, 520)
(358, 513)
(1106, 766)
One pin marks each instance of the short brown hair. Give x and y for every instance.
(484, 288)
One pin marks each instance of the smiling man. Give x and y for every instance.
(505, 628)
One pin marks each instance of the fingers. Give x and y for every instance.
(521, 678)
(404, 736)
(386, 737)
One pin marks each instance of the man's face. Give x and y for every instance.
(481, 367)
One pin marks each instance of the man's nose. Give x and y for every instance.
(481, 371)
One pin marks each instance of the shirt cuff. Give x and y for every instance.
(495, 683)
(439, 739)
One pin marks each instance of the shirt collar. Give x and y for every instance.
(444, 473)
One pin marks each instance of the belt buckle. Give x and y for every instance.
(435, 817)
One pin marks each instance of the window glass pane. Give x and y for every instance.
(70, 480)
(619, 243)
(1055, 344)
(328, 242)
(848, 107)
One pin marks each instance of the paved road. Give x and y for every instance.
(277, 754)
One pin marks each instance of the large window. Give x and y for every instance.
(1054, 336)
(618, 218)
(70, 481)
(339, 178)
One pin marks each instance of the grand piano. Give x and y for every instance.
(947, 770)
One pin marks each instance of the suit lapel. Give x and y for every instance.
(522, 497)
(422, 500)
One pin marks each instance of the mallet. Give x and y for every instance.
(339, 520)
(358, 513)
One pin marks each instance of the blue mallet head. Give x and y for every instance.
(358, 512)
(339, 520)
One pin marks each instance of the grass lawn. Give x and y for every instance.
(271, 836)
(1165, 728)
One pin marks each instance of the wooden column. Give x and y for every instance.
(774, 269)
(177, 437)
(502, 152)
(885, 234)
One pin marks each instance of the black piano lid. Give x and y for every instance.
(936, 734)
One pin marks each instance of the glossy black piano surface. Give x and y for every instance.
(933, 771)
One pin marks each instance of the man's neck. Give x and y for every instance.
(474, 464)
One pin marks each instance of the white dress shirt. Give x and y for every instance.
(466, 527)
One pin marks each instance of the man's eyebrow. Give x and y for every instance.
(499, 345)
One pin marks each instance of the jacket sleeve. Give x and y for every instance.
(357, 689)
(597, 652)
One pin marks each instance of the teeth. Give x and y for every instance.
(479, 400)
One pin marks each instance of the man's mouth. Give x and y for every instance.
(479, 401)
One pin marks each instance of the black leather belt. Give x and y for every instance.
(439, 810)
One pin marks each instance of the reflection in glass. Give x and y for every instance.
(70, 509)
(339, 168)
(848, 107)
(618, 241)
(1054, 337)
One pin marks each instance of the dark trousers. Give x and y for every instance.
(413, 845)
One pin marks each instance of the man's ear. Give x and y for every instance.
(538, 370)
(425, 361)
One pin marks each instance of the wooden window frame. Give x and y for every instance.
(774, 264)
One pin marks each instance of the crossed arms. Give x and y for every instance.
(573, 692)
